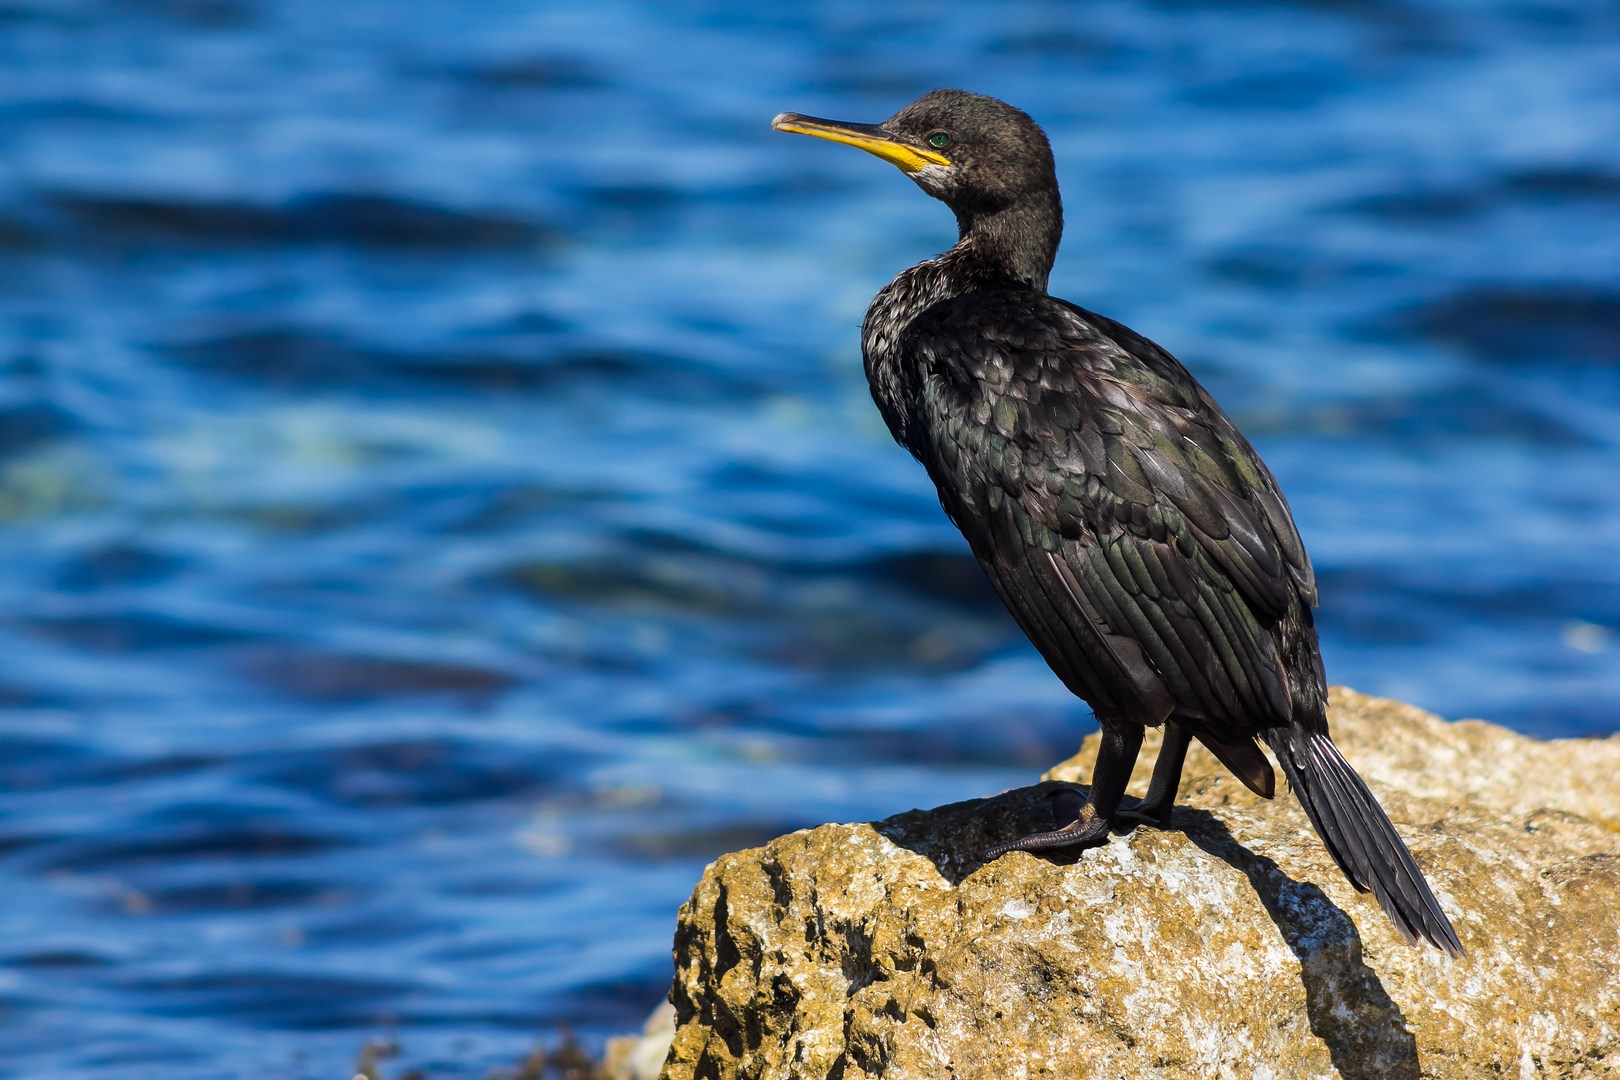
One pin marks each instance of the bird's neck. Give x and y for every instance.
(1019, 239)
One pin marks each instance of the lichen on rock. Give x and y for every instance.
(1228, 945)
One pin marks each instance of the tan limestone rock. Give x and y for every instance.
(1228, 946)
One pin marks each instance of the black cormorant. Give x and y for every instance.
(1126, 523)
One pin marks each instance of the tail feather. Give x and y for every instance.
(1339, 789)
(1359, 836)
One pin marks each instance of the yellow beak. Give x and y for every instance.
(868, 137)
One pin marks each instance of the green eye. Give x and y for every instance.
(939, 140)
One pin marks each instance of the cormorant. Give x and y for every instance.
(1129, 527)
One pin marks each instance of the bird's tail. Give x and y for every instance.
(1359, 836)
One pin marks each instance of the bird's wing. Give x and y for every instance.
(1131, 529)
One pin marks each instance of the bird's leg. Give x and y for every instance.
(1161, 794)
(1087, 824)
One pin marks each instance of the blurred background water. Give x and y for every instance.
(441, 506)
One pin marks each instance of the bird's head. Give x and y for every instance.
(974, 153)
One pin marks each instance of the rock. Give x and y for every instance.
(1228, 946)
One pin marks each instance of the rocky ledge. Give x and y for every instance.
(1227, 946)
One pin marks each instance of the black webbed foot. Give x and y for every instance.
(1084, 822)
(1079, 826)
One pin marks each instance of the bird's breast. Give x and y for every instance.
(896, 375)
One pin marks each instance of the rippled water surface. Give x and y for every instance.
(441, 507)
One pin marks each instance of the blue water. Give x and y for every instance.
(441, 507)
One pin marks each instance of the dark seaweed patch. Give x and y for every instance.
(1525, 325)
(365, 220)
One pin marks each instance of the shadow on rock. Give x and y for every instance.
(954, 838)
(1332, 968)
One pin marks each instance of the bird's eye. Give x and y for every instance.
(939, 140)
